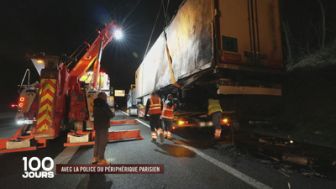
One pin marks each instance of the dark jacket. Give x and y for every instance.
(101, 113)
(169, 103)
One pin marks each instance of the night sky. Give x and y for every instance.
(59, 27)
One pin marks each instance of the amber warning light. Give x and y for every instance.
(21, 101)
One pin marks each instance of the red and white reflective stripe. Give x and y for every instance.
(168, 113)
(155, 107)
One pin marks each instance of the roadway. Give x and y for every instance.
(190, 161)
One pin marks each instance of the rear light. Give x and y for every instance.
(21, 102)
(180, 122)
(40, 61)
(13, 105)
(225, 121)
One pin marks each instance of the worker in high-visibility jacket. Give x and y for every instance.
(167, 116)
(153, 108)
(215, 111)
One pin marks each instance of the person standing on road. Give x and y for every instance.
(215, 111)
(153, 108)
(168, 116)
(102, 115)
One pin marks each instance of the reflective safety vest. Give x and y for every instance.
(214, 106)
(155, 106)
(168, 112)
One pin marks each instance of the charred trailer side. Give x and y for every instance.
(228, 48)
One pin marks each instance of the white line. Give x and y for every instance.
(124, 113)
(65, 156)
(143, 123)
(247, 179)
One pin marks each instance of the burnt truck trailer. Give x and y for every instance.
(230, 48)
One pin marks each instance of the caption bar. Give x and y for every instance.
(110, 169)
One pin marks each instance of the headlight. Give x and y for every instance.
(24, 122)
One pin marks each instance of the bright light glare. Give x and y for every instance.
(40, 61)
(24, 122)
(225, 120)
(180, 122)
(118, 34)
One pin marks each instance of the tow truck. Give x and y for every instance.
(63, 100)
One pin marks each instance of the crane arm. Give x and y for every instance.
(92, 54)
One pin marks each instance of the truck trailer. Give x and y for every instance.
(230, 49)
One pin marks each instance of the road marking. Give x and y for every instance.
(124, 113)
(245, 178)
(143, 123)
(65, 156)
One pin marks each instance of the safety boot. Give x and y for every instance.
(103, 162)
(160, 133)
(169, 135)
(154, 136)
(94, 160)
(165, 134)
(218, 134)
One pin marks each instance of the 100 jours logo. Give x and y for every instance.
(34, 167)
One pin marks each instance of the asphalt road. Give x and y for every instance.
(190, 161)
